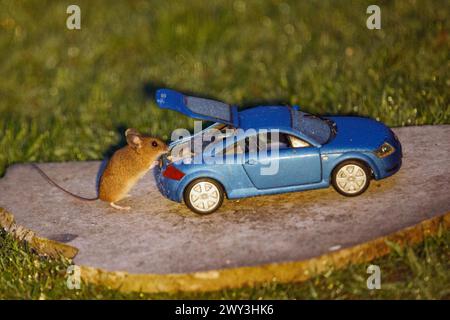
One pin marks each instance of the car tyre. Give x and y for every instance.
(351, 178)
(204, 196)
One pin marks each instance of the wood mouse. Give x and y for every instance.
(124, 169)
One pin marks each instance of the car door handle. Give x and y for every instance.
(251, 162)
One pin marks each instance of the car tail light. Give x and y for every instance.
(173, 173)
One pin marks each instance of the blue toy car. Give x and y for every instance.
(268, 150)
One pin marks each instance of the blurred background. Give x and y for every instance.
(70, 95)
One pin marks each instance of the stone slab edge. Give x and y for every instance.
(41, 245)
(284, 272)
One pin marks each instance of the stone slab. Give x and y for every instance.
(160, 236)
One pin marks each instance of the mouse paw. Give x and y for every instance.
(115, 206)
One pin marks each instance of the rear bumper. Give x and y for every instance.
(167, 187)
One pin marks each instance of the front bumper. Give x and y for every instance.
(391, 164)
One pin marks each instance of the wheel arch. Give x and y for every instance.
(200, 175)
(367, 161)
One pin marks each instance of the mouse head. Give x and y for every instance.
(144, 145)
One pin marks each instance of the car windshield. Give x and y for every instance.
(216, 133)
(314, 127)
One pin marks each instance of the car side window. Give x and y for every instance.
(266, 141)
(243, 146)
(236, 148)
(297, 142)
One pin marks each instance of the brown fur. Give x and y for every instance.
(128, 165)
(124, 169)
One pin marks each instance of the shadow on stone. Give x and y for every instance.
(63, 237)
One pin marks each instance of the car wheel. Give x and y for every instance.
(203, 196)
(351, 178)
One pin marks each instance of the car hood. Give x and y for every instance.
(357, 134)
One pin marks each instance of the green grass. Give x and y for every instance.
(419, 272)
(69, 95)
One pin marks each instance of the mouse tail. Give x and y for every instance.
(49, 180)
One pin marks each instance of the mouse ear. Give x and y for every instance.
(134, 138)
(132, 131)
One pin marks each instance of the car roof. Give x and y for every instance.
(282, 118)
(266, 117)
(260, 117)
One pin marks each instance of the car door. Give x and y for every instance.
(289, 164)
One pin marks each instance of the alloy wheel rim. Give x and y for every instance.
(351, 178)
(204, 196)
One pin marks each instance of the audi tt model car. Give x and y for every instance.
(269, 150)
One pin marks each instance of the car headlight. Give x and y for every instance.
(384, 150)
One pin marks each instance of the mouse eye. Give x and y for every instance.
(154, 144)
